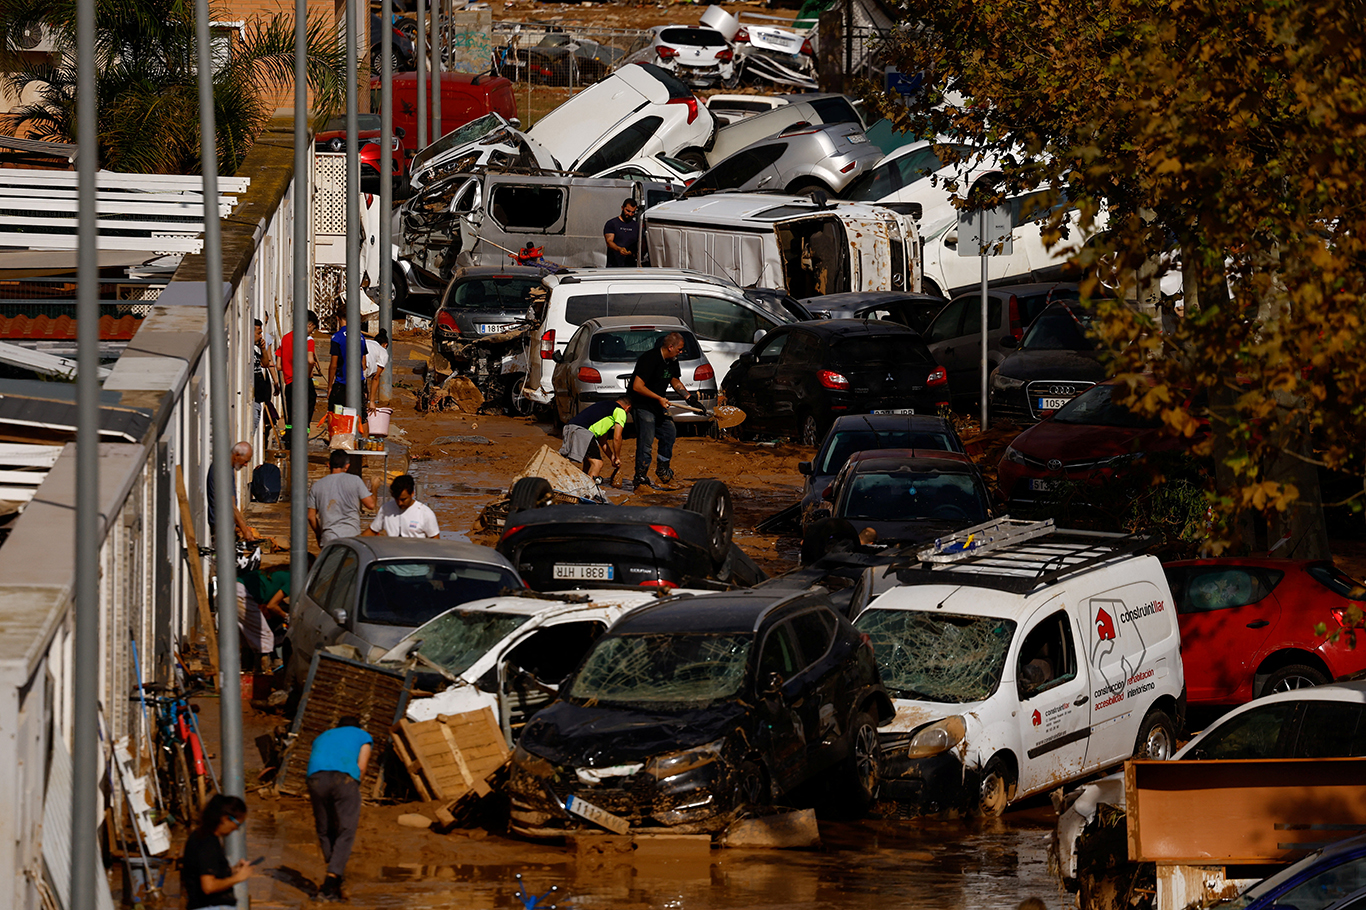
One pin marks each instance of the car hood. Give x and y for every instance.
(599, 737)
(1045, 364)
(912, 714)
(1077, 442)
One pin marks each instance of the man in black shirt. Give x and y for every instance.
(657, 370)
(623, 237)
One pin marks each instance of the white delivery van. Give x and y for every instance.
(800, 245)
(1021, 657)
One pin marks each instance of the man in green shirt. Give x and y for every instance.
(582, 435)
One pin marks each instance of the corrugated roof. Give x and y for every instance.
(64, 327)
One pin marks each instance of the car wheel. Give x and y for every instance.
(528, 493)
(1295, 676)
(810, 188)
(398, 293)
(928, 286)
(995, 790)
(863, 769)
(518, 404)
(810, 431)
(711, 500)
(694, 158)
(822, 537)
(1156, 737)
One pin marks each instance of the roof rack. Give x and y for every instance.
(990, 535)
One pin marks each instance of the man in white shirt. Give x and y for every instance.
(403, 516)
(376, 360)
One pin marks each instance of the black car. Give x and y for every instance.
(694, 707)
(1057, 361)
(799, 378)
(914, 310)
(562, 547)
(484, 300)
(859, 432)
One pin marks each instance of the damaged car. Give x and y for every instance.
(767, 53)
(691, 709)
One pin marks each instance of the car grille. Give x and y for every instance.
(1012, 406)
(1050, 388)
(1055, 466)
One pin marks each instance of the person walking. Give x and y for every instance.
(336, 368)
(656, 371)
(265, 378)
(623, 237)
(241, 457)
(287, 369)
(206, 879)
(336, 765)
(403, 516)
(583, 435)
(376, 360)
(335, 501)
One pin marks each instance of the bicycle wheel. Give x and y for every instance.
(183, 800)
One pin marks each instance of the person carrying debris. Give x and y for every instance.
(241, 457)
(623, 237)
(335, 768)
(657, 370)
(582, 435)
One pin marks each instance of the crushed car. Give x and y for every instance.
(765, 51)
(691, 709)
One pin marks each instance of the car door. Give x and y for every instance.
(620, 147)
(827, 705)
(531, 670)
(753, 386)
(942, 337)
(1329, 729)
(306, 620)
(791, 391)
(782, 732)
(1227, 615)
(726, 329)
(1054, 718)
(565, 378)
(339, 615)
(1266, 731)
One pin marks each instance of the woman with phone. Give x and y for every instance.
(206, 879)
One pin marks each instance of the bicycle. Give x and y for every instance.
(182, 767)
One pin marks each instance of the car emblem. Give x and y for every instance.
(891, 378)
(1054, 464)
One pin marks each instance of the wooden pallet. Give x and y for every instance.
(452, 755)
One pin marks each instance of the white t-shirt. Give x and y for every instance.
(415, 521)
(376, 357)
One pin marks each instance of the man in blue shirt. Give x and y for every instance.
(335, 767)
(623, 237)
(336, 367)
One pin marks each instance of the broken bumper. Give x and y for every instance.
(932, 783)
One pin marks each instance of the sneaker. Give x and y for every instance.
(641, 483)
(331, 890)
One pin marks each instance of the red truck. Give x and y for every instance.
(464, 97)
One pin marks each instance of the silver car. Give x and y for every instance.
(369, 592)
(601, 356)
(800, 160)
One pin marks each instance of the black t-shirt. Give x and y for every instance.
(204, 856)
(656, 373)
(624, 233)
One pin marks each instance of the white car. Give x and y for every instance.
(700, 56)
(639, 110)
(917, 173)
(655, 168)
(730, 108)
(768, 52)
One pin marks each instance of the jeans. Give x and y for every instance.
(336, 815)
(648, 426)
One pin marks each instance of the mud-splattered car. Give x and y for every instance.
(693, 708)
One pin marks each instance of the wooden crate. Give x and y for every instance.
(452, 755)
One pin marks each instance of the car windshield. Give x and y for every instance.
(847, 442)
(456, 640)
(1060, 328)
(1331, 881)
(900, 348)
(626, 345)
(940, 657)
(890, 176)
(678, 669)
(459, 136)
(907, 495)
(700, 37)
(410, 592)
(496, 292)
(1094, 408)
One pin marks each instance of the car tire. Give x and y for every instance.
(399, 295)
(995, 789)
(862, 772)
(822, 535)
(928, 286)
(528, 493)
(518, 404)
(1156, 736)
(711, 500)
(693, 157)
(810, 188)
(810, 433)
(1294, 676)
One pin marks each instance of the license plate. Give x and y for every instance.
(857, 137)
(614, 823)
(1043, 486)
(584, 572)
(895, 411)
(1052, 404)
(489, 328)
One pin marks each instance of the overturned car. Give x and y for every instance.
(691, 709)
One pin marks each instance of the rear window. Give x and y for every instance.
(676, 88)
(848, 442)
(497, 292)
(703, 37)
(835, 110)
(626, 346)
(412, 592)
(879, 349)
(584, 307)
(731, 104)
(1060, 328)
(1337, 581)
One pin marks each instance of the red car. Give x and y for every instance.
(1247, 626)
(332, 138)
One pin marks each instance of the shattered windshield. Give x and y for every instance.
(459, 136)
(907, 496)
(691, 669)
(940, 657)
(458, 639)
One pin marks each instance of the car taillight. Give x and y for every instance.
(510, 531)
(588, 374)
(664, 531)
(1015, 316)
(1340, 614)
(808, 49)
(548, 344)
(659, 583)
(848, 167)
(666, 53)
(691, 102)
(447, 321)
(832, 380)
(938, 376)
(703, 373)
(742, 36)
(725, 54)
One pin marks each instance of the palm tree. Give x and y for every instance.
(147, 95)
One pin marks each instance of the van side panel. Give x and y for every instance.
(748, 259)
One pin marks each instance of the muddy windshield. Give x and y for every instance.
(678, 669)
(940, 657)
(458, 639)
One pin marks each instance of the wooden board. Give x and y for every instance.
(201, 591)
(452, 755)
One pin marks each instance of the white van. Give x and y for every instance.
(791, 243)
(1020, 657)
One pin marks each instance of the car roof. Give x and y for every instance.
(1020, 290)
(731, 611)
(889, 422)
(1353, 692)
(862, 298)
(759, 207)
(428, 548)
(499, 271)
(888, 461)
(629, 276)
(644, 322)
(847, 328)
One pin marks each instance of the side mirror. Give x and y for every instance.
(400, 132)
(748, 358)
(951, 238)
(759, 335)
(915, 210)
(773, 684)
(338, 615)
(558, 356)
(515, 123)
(803, 467)
(564, 684)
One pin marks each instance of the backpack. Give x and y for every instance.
(265, 483)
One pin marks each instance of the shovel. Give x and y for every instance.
(725, 415)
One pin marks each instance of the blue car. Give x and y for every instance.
(1334, 878)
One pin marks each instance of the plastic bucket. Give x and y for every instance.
(379, 421)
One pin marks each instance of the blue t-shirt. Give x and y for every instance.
(339, 349)
(338, 749)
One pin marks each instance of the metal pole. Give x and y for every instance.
(229, 685)
(386, 204)
(300, 370)
(437, 69)
(982, 251)
(354, 229)
(421, 78)
(86, 648)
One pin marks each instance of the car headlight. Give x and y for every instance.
(662, 766)
(1005, 383)
(1013, 454)
(938, 737)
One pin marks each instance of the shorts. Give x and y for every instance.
(579, 444)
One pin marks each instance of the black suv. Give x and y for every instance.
(914, 310)
(1056, 362)
(692, 708)
(799, 378)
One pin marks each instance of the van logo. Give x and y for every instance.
(1036, 718)
(1105, 625)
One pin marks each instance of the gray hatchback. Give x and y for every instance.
(801, 159)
